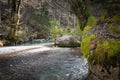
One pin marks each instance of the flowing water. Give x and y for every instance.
(42, 63)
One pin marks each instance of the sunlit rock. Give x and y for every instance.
(1, 43)
(67, 41)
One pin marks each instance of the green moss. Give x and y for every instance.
(112, 47)
(103, 15)
(114, 29)
(105, 51)
(86, 39)
(92, 21)
(86, 29)
(69, 45)
(86, 44)
(114, 18)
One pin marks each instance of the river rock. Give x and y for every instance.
(67, 41)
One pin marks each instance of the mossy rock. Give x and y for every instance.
(99, 50)
(105, 50)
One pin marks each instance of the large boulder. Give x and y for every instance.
(67, 41)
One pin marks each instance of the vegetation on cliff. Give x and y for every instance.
(100, 46)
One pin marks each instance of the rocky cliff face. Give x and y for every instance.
(61, 11)
(33, 17)
(29, 7)
(98, 72)
(101, 41)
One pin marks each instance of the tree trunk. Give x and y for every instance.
(14, 20)
(74, 21)
(68, 25)
(0, 12)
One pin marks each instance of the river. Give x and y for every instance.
(38, 62)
